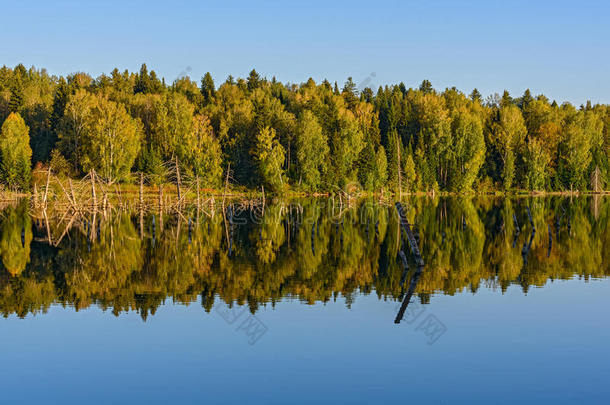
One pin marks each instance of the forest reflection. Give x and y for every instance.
(306, 249)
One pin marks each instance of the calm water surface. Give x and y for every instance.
(301, 303)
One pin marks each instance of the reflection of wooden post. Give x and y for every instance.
(263, 208)
(548, 254)
(105, 204)
(46, 221)
(529, 215)
(410, 291)
(595, 205)
(517, 229)
(224, 213)
(118, 191)
(141, 191)
(160, 197)
(93, 195)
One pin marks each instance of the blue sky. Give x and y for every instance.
(559, 48)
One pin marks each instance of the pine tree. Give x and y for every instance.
(506, 99)
(476, 95)
(366, 167)
(426, 87)
(254, 80)
(381, 169)
(409, 172)
(16, 100)
(142, 80)
(350, 93)
(60, 99)
(208, 90)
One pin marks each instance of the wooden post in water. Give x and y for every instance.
(399, 171)
(94, 196)
(160, 198)
(46, 189)
(141, 205)
(263, 208)
(197, 219)
(224, 213)
(46, 221)
(517, 230)
(224, 194)
(178, 182)
(118, 191)
(35, 196)
(72, 191)
(410, 237)
(160, 207)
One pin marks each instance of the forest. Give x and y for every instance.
(309, 137)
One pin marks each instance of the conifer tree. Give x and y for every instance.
(208, 90)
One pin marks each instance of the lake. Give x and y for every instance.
(310, 301)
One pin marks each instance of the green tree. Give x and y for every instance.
(426, 87)
(350, 92)
(381, 169)
(254, 80)
(536, 161)
(507, 137)
(15, 152)
(312, 151)
(434, 138)
(410, 177)
(366, 167)
(208, 90)
(581, 132)
(112, 140)
(201, 152)
(468, 150)
(73, 125)
(269, 157)
(171, 124)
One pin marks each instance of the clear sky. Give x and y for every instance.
(559, 48)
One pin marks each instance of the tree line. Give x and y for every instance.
(313, 137)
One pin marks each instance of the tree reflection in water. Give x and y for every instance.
(300, 248)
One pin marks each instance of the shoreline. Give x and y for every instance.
(169, 190)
